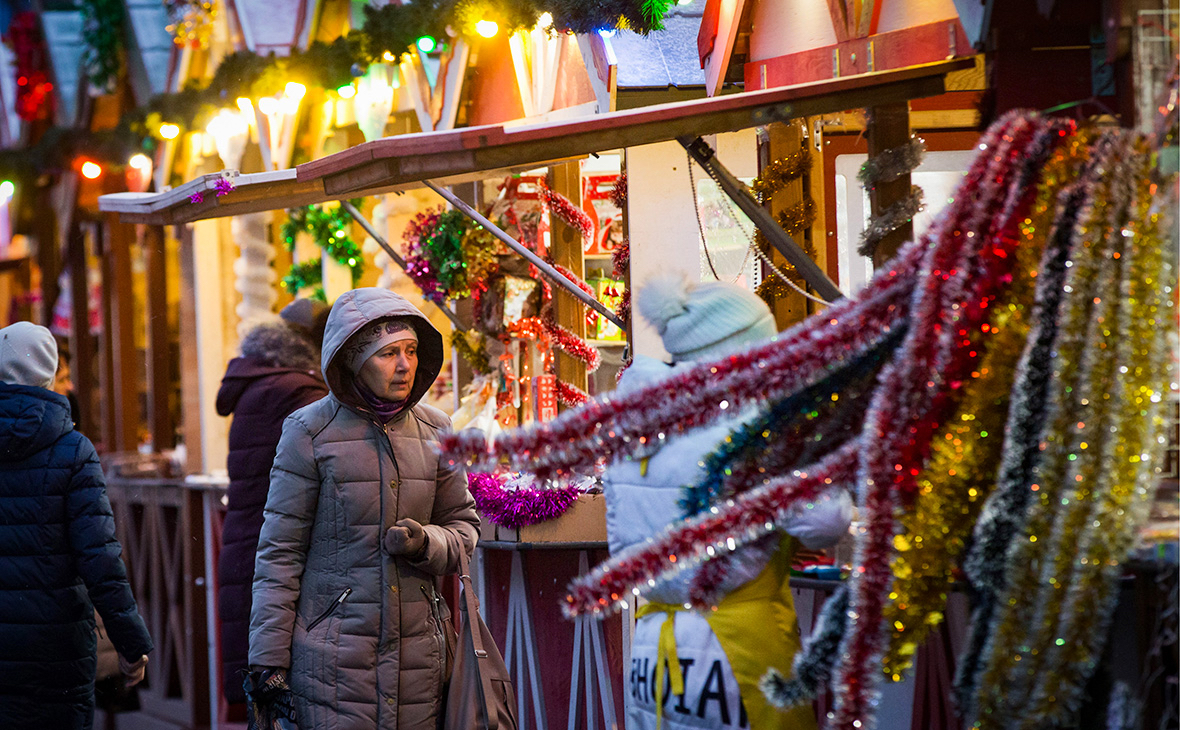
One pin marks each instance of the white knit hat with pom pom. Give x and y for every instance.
(702, 320)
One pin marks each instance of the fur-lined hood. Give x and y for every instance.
(267, 350)
(279, 345)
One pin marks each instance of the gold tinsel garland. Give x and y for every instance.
(774, 177)
(477, 356)
(962, 467)
(1077, 528)
(777, 174)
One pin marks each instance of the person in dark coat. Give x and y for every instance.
(278, 373)
(59, 559)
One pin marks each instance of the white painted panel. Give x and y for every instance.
(782, 27)
(211, 347)
(938, 176)
(660, 216)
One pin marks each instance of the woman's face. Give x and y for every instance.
(389, 372)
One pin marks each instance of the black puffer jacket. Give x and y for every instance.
(59, 559)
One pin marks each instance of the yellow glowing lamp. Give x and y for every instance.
(295, 90)
(90, 170)
(7, 190)
(169, 131)
(347, 91)
(268, 105)
(140, 162)
(245, 105)
(487, 28)
(545, 21)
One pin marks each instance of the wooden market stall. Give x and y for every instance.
(525, 570)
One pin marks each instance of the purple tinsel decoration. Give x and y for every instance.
(223, 186)
(197, 197)
(514, 508)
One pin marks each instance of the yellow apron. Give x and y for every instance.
(756, 628)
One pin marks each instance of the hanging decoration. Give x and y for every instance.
(192, 22)
(328, 227)
(476, 356)
(887, 166)
(519, 506)
(102, 44)
(795, 219)
(960, 306)
(34, 98)
(447, 255)
(570, 214)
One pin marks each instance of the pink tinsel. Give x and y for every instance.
(516, 508)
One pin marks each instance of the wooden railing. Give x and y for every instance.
(170, 530)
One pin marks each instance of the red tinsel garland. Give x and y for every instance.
(571, 395)
(568, 213)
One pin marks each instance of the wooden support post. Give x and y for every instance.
(49, 255)
(566, 248)
(786, 138)
(190, 361)
(889, 127)
(82, 348)
(125, 356)
(106, 364)
(159, 341)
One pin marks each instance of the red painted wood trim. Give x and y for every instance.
(896, 49)
(707, 35)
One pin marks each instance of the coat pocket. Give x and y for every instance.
(330, 609)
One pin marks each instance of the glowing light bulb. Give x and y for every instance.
(245, 106)
(140, 161)
(90, 170)
(169, 131)
(545, 20)
(7, 190)
(388, 56)
(347, 91)
(268, 105)
(487, 28)
(295, 90)
(426, 44)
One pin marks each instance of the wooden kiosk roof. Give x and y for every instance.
(449, 157)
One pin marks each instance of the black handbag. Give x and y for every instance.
(480, 693)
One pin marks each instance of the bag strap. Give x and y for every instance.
(482, 660)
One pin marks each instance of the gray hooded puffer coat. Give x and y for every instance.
(361, 631)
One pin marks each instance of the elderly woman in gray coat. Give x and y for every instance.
(361, 521)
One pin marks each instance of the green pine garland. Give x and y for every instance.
(102, 38)
(328, 227)
(392, 28)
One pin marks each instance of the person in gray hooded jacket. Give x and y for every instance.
(361, 521)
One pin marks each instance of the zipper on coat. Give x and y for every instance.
(335, 604)
(440, 629)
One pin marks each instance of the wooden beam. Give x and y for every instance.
(106, 364)
(785, 139)
(566, 249)
(888, 128)
(446, 158)
(125, 355)
(82, 346)
(161, 423)
(190, 362)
